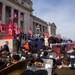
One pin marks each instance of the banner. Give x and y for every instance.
(9, 29)
(12, 28)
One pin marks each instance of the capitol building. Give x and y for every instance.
(22, 12)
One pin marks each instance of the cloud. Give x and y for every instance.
(61, 12)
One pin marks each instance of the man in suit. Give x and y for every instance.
(5, 47)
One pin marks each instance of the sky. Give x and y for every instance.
(60, 12)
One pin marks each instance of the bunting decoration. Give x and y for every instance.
(12, 28)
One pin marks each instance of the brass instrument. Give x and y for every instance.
(15, 69)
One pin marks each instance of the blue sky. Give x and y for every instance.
(61, 12)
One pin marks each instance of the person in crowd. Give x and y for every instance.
(59, 59)
(25, 53)
(62, 47)
(56, 39)
(34, 45)
(2, 64)
(18, 44)
(45, 55)
(71, 54)
(6, 47)
(30, 44)
(38, 62)
(26, 46)
(28, 72)
(39, 43)
(64, 69)
(41, 72)
(51, 40)
(71, 50)
(1, 50)
(42, 39)
(15, 59)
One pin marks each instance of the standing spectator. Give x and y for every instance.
(26, 46)
(18, 44)
(62, 47)
(5, 47)
(46, 41)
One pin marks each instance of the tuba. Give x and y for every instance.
(15, 69)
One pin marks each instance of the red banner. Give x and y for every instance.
(12, 28)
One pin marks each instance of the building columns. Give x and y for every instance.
(42, 29)
(19, 22)
(3, 13)
(12, 13)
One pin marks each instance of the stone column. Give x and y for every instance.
(3, 13)
(19, 22)
(12, 13)
(42, 29)
(34, 28)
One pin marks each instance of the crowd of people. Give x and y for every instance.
(37, 49)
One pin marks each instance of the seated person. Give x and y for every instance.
(38, 62)
(2, 64)
(15, 59)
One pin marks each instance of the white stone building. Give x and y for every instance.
(22, 12)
